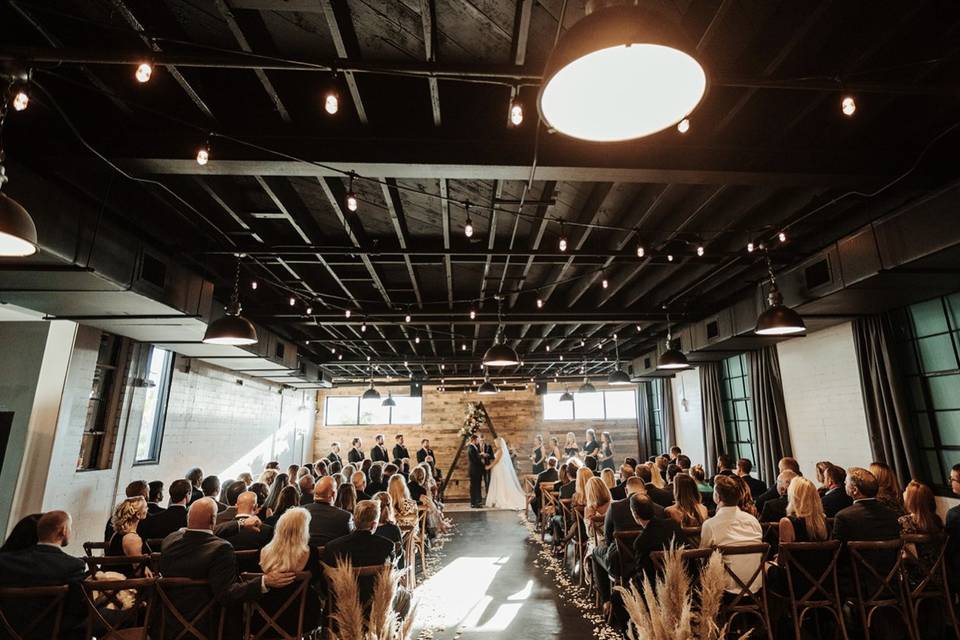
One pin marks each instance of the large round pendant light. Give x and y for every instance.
(371, 393)
(778, 319)
(500, 354)
(620, 73)
(18, 234)
(672, 358)
(618, 376)
(232, 329)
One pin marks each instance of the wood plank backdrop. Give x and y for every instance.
(516, 415)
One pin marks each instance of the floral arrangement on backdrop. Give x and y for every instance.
(473, 421)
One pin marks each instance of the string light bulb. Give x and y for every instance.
(340, 357)
(203, 154)
(331, 101)
(548, 348)
(669, 257)
(641, 251)
(516, 112)
(562, 245)
(293, 301)
(473, 314)
(309, 311)
(253, 285)
(21, 100)
(351, 197)
(605, 284)
(684, 125)
(700, 250)
(347, 313)
(782, 236)
(416, 339)
(468, 226)
(363, 327)
(407, 318)
(750, 247)
(539, 303)
(143, 72)
(848, 106)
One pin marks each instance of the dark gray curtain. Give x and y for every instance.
(643, 422)
(769, 412)
(711, 402)
(669, 424)
(884, 397)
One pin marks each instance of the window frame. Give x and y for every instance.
(357, 423)
(573, 412)
(655, 415)
(160, 417)
(736, 444)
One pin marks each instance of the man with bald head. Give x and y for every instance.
(249, 538)
(195, 552)
(327, 522)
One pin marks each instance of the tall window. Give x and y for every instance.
(738, 408)
(103, 407)
(655, 405)
(352, 411)
(929, 345)
(603, 405)
(156, 380)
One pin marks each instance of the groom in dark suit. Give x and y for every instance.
(486, 455)
(476, 470)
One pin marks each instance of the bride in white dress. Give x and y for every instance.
(505, 491)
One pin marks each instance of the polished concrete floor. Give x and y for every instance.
(486, 586)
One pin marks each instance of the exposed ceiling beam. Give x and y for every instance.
(340, 23)
(521, 31)
(428, 19)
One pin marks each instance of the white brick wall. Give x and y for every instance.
(689, 418)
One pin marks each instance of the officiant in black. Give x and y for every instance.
(401, 457)
(476, 469)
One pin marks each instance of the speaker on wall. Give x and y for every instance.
(541, 388)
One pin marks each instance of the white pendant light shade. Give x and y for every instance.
(620, 73)
(18, 234)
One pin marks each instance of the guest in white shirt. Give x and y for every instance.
(733, 527)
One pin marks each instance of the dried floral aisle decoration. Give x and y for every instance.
(351, 624)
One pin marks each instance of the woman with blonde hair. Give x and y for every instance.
(598, 503)
(687, 508)
(387, 528)
(805, 521)
(268, 476)
(580, 492)
(125, 540)
(404, 507)
(655, 478)
(245, 477)
(289, 551)
(822, 467)
(570, 448)
(888, 487)
(608, 478)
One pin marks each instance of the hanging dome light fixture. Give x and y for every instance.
(618, 376)
(18, 233)
(370, 393)
(587, 386)
(389, 401)
(778, 319)
(620, 73)
(672, 358)
(232, 329)
(500, 354)
(566, 396)
(486, 387)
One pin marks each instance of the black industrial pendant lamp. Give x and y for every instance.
(389, 401)
(500, 354)
(622, 72)
(487, 388)
(370, 393)
(618, 376)
(566, 396)
(778, 319)
(18, 234)
(587, 386)
(672, 358)
(232, 329)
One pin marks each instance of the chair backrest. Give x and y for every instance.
(744, 590)
(119, 608)
(32, 612)
(691, 558)
(811, 569)
(624, 542)
(248, 560)
(933, 579)
(155, 544)
(206, 623)
(114, 563)
(692, 534)
(90, 547)
(877, 571)
(259, 623)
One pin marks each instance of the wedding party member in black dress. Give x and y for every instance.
(355, 455)
(290, 551)
(125, 540)
(605, 455)
(570, 448)
(591, 446)
(537, 456)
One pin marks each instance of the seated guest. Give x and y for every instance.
(273, 464)
(672, 471)
(345, 474)
(388, 471)
(706, 490)
(249, 538)
(660, 465)
(346, 497)
(320, 468)
(821, 470)
(306, 484)
(365, 466)
(952, 525)
(785, 464)
(154, 497)
(683, 461)
(647, 473)
(292, 472)
(835, 498)
(590, 462)
(404, 507)
(804, 520)
(746, 499)
(195, 476)
(359, 481)
(134, 489)
(724, 467)
(23, 535)
(356, 451)
(548, 475)
(733, 527)
(686, 510)
(231, 493)
(376, 483)
(211, 489)
(567, 482)
(744, 467)
(388, 526)
(415, 485)
(268, 476)
(125, 540)
(289, 498)
(361, 547)
(327, 521)
(282, 480)
(776, 509)
(289, 551)
(196, 553)
(45, 564)
(674, 454)
(608, 478)
(921, 518)
(619, 492)
(246, 478)
(888, 487)
(173, 518)
(657, 534)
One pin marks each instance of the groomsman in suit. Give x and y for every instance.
(401, 457)
(486, 454)
(476, 470)
(355, 455)
(379, 452)
(835, 499)
(334, 455)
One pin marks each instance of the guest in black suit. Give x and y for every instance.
(134, 489)
(379, 452)
(724, 467)
(486, 454)
(306, 484)
(195, 476)
(657, 534)
(660, 496)
(952, 525)
(334, 455)
(45, 564)
(475, 469)
(549, 475)
(776, 509)
(195, 552)
(744, 467)
(327, 522)
(375, 482)
(866, 519)
(355, 455)
(835, 498)
(401, 457)
(211, 489)
(233, 492)
(785, 464)
(361, 547)
(289, 498)
(359, 482)
(249, 538)
(173, 518)
(154, 497)
(619, 492)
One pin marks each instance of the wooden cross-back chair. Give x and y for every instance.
(108, 616)
(745, 602)
(934, 584)
(693, 561)
(692, 534)
(420, 538)
(259, 624)
(195, 627)
(548, 506)
(113, 563)
(408, 542)
(90, 547)
(879, 581)
(625, 560)
(248, 560)
(44, 619)
(155, 544)
(811, 573)
(574, 539)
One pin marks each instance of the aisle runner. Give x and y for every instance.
(577, 596)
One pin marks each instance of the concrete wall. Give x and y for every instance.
(517, 416)
(688, 415)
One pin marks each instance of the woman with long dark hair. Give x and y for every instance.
(687, 508)
(282, 480)
(289, 497)
(605, 453)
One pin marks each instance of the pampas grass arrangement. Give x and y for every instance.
(348, 617)
(669, 610)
